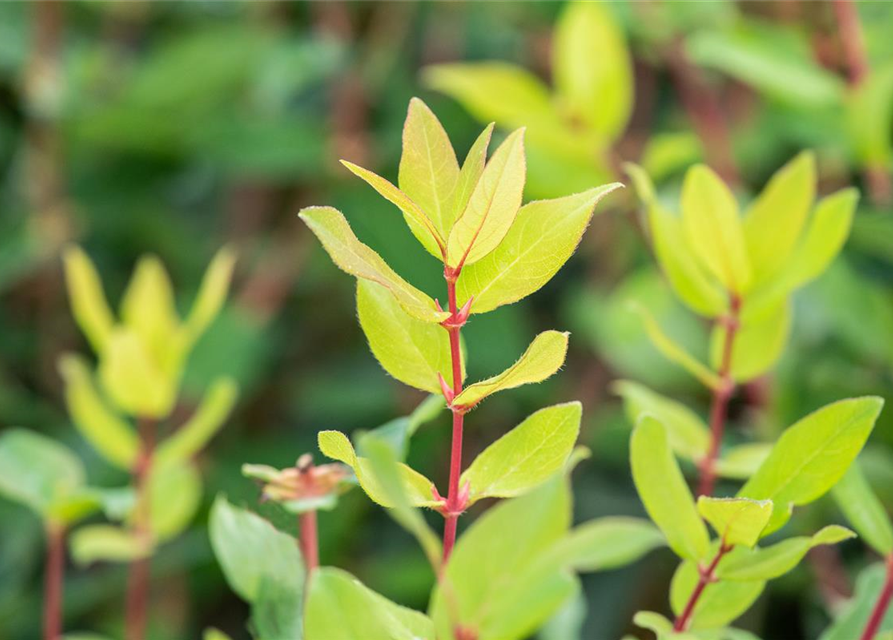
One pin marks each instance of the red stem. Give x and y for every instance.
(309, 541)
(720, 405)
(138, 578)
(851, 40)
(883, 602)
(707, 576)
(55, 571)
(453, 506)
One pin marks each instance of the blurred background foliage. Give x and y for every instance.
(173, 128)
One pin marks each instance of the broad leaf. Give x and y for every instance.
(664, 492)
(607, 543)
(107, 543)
(737, 521)
(412, 351)
(812, 455)
(720, 602)
(88, 302)
(543, 357)
(355, 258)
(543, 237)
(493, 205)
(339, 606)
(527, 455)
(654, 622)
(758, 343)
(864, 511)
(713, 229)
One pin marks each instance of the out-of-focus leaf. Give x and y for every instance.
(720, 602)
(742, 461)
(176, 493)
(654, 622)
(851, 621)
(869, 110)
(215, 634)
(864, 511)
(133, 379)
(88, 303)
(737, 521)
(607, 543)
(758, 343)
(148, 310)
(107, 543)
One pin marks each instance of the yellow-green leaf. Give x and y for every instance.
(412, 351)
(469, 175)
(132, 379)
(108, 543)
(713, 229)
(355, 258)
(742, 461)
(175, 492)
(864, 510)
(148, 309)
(211, 294)
(607, 543)
(493, 205)
(543, 357)
(737, 521)
(542, 238)
(758, 342)
(88, 303)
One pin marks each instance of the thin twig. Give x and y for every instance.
(136, 614)
(55, 571)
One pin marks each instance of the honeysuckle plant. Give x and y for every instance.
(120, 406)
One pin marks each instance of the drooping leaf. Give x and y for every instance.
(543, 357)
(493, 205)
(607, 543)
(864, 511)
(713, 229)
(339, 606)
(654, 622)
(567, 623)
(737, 521)
(107, 543)
(869, 111)
(88, 302)
(527, 455)
(720, 602)
(758, 343)
(599, 94)
(355, 258)
(664, 492)
(812, 455)
(542, 238)
(412, 351)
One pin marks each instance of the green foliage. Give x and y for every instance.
(864, 511)
(737, 521)
(850, 621)
(719, 604)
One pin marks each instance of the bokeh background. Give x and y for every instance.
(174, 128)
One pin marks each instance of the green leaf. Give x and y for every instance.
(654, 622)
(758, 343)
(852, 618)
(88, 303)
(418, 488)
(607, 543)
(543, 357)
(567, 623)
(429, 170)
(397, 432)
(211, 294)
(493, 205)
(689, 436)
(494, 582)
(720, 602)
(112, 437)
(743, 460)
(664, 492)
(771, 562)
(713, 229)
(355, 258)
(599, 94)
(419, 223)
(412, 351)
(107, 543)
(864, 511)
(214, 634)
(176, 494)
(469, 175)
(543, 237)
(774, 222)
(812, 455)
(737, 521)
(869, 111)
(133, 378)
(339, 606)
(207, 419)
(148, 309)
(526, 456)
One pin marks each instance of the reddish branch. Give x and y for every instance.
(308, 537)
(55, 570)
(881, 606)
(707, 576)
(721, 395)
(138, 579)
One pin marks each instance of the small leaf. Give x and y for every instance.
(527, 455)
(812, 455)
(493, 205)
(689, 436)
(106, 432)
(176, 494)
(713, 229)
(211, 294)
(543, 357)
(412, 351)
(743, 460)
(719, 604)
(355, 258)
(607, 543)
(864, 511)
(133, 379)
(737, 521)
(758, 342)
(543, 237)
(654, 622)
(869, 111)
(663, 490)
(469, 175)
(333, 593)
(419, 223)
(418, 488)
(88, 303)
(107, 543)
(148, 309)
(215, 634)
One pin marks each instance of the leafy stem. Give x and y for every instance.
(721, 394)
(707, 576)
(308, 535)
(55, 571)
(882, 604)
(138, 578)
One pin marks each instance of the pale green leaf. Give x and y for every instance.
(592, 67)
(418, 488)
(713, 229)
(355, 258)
(757, 345)
(175, 495)
(543, 357)
(774, 222)
(339, 606)
(214, 634)
(689, 436)
(654, 622)
(737, 521)
(88, 302)
(412, 351)
(429, 170)
(211, 294)
(719, 604)
(854, 615)
(493, 205)
(669, 152)
(107, 543)
(811, 456)
(869, 111)
(607, 543)
(543, 237)
(106, 432)
(527, 455)
(469, 175)
(148, 309)
(864, 510)
(134, 380)
(664, 492)
(742, 461)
